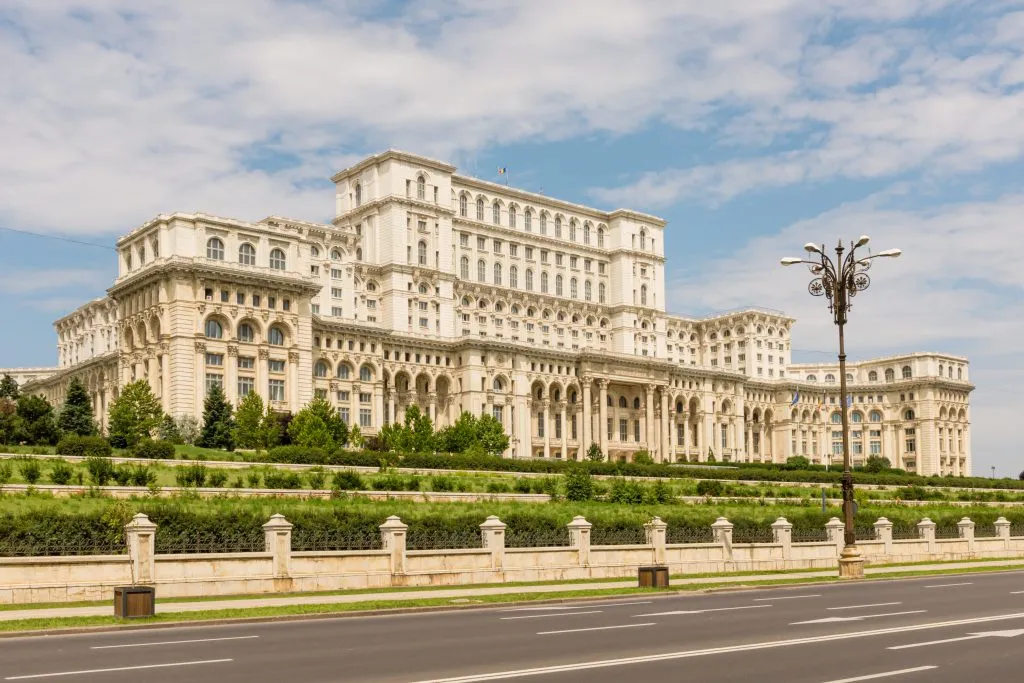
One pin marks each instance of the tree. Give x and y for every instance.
(217, 421)
(578, 484)
(319, 425)
(271, 428)
(594, 453)
(134, 414)
(76, 415)
(355, 436)
(168, 431)
(8, 388)
(188, 427)
(876, 464)
(491, 435)
(249, 421)
(798, 462)
(8, 417)
(35, 422)
(643, 458)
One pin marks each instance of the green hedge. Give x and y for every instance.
(84, 446)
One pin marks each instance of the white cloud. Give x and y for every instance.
(22, 282)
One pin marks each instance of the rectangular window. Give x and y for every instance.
(623, 429)
(256, 300)
(498, 412)
(574, 262)
(246, 363)
(337, 293)
(365, 397)
(529, 253)
(558, 259)
(463, 240)
(497, 246)
(225, 295)
(345, 414)
(611, 423)
(215, 359)
(543, 255)
(424, 322)
(240, 298)
(600, 268)
(558, 426)
(245, 386)
(275, 365)
(540, 425)
(481, 243)
(275, 389)
(365, 418)
(344, 396)
(315, 308)
(213, 379)
(337, 311)
(337, 274)
(271, 302)
(858, 448)
(513, 250)
(725, 437)
(636, 431)
(320, 393)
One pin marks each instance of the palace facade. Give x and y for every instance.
(453, 293)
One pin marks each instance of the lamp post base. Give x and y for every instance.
(851, 563)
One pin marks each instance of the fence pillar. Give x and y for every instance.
(654, 531)
(392, 537)
(492, 532)
(782, 533)
(966, 527)
(834, 530)
(1003, 531)
(722, 533)
(926, 532)
(140, 535)
(579, 538)
(883, 532)
(277, 540)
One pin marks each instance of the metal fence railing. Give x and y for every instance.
(1017, 529)
(620, 536)
(443, 539)
(210, 542)
(689, 534)
(29, 546)
(806, 535)
(747, 534)
(537, 538)
(902, 533)
(324, 540)
(947, 532)
(985, 531)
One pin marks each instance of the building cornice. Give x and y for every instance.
(200, 267)
(389, 155)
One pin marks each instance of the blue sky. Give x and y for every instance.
(752, 127)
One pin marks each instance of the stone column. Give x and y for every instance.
(546, 407)
(293, 382)
(140, 534)
(579, 538)
(378, 405)
(649, 419)
(782, 533)
(392, 536)
(834, 529)
(492, 531)
(663, 452)
(563, 415)
(231, 376)
(883, 532)
(739, 447)
(165, 382)
(432, 408)
(722, 532)
(966, 528)
(654, 532)
(262, 388)
(1003, 531)
(391, 406)
(200, 377)
(586, 436)
(926, 531)
(686, 437)
(702, 436)
(277, 540)
(602, 412)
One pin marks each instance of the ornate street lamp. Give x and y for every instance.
(839, 281)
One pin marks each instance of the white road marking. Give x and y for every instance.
(950, 585)
(171, 642)
(595, 628)
(876, 604)
(886, 674)
(589, 605)
(1016, 592)
(971, 636)
(686, 654)
(835, 620)
(120, 668)
(556, 614)
(789, 597)
(699, 611)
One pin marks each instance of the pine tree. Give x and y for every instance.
(218, 425)
(168, 430)
(76, 415)
(8, 388)
(249, 422)
(134, 414)
(34, 421)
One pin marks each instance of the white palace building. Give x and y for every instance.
(454, 293)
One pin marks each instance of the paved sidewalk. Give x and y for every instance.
(469, 592)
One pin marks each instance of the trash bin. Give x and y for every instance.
(133, 602)
(653, 577)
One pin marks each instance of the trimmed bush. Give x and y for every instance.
(61, 472)
(710, 487)
(158, 449)
(299, 455)
(280, 479)
(101, 470)
(191, 475)
(217, 479)
(347, 481)
(84, 446)
(30, 470)
(316, 478)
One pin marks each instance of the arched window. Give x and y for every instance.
(643, 295)
(586, 233)
(498, 384)
(496, 213)
(875, 416)
(421, 253)
(600, 293)
(837, 418)
(636, 403)
(529, 280)
(463, 206)
(213, 329)
(622, 402)
(543, 223)
(277, 261)
(344, 371)
(480, 208)
(359, 254)
(246, 333)
(643, 239)
(890, 375)
(544, 283)
(421, 188)
(572, 230)
(908, 415)
(907, 373)
(464, 267)
(513, 277)
(600, 237)
(275, 337)
(830, 379)
(497, 273)
(573, 288)
(512, 216)
(215, 249)
(481, 271)
(587, 291)
(320, 369)
(247, 254)
(359, 194)
(940, 371)
(873, 376)
(857, 417)
(423, 289)
(366, 374)
(528, 220)
(558, 285)
(558, 227)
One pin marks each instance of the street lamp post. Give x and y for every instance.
(839, 281)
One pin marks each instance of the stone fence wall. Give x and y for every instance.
(279, 568)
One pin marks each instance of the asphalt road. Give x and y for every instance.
(948, 629)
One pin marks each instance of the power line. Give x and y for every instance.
(58, 238)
